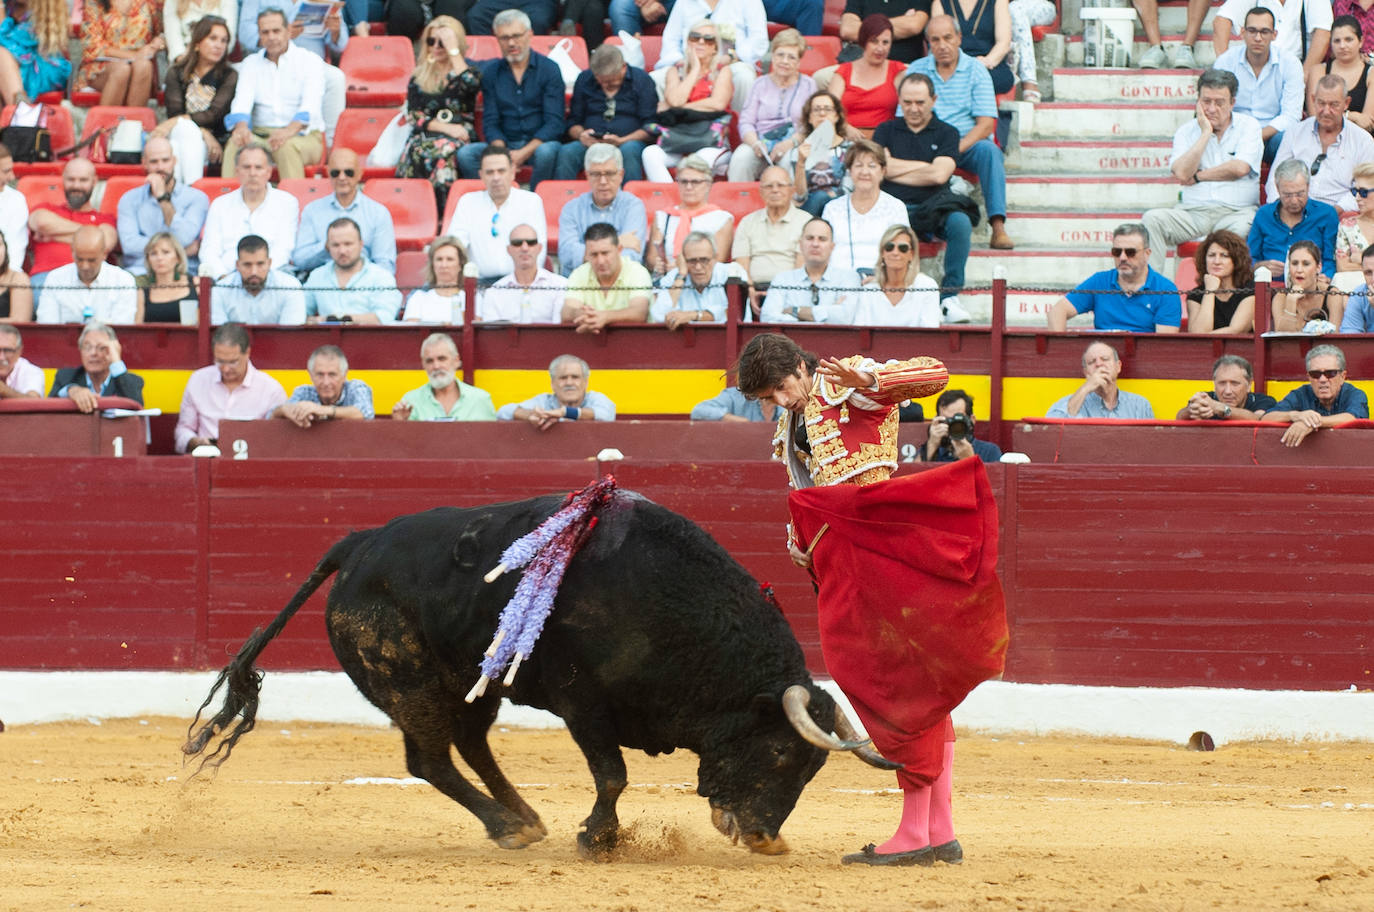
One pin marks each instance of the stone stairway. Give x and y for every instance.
(1094, 154)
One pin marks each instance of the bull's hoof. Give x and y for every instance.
(764, 845)
(527, 835)
(597, 847)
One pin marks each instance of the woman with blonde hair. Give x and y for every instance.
(768, 123)
(899, 293)
(33, 49)
(697, 92)
(1357, 228)
(167, 282)
(179, 17)
(442, 300)
(441, 102)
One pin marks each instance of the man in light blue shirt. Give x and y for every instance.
(1359, 317)
(817, 292)
(350, 289)
(347, 200)
(964, 99)
(569, 401)
(1272, 87)
(255, 293)
(732, 405)
(604, 202)
(698, 296)
(160, 205)
(1099, 396)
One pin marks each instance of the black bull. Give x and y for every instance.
(658, 640)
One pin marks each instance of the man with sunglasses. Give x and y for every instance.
(347, 201)
(1216, 162)
(522, 103)
(1328, 144)
(1291, 218)
(1129, 298)
(1326, 401)
(611, 103)
(530, 294)
(604, 201)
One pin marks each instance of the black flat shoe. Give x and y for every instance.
(869, 856)
(950, 852)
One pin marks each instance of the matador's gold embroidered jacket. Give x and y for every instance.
(852, 432)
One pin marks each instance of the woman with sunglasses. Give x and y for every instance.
(441, 103)
(1224, 301)
(899, 293)
(1308, 303)
(442, 300)
(199, 90)
(768, 123)
(1357, 228)
(817, 162)
(694, 212)
(867, 86)
(700, 82)
(1348, 62)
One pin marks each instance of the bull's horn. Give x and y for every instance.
(845, 729)
(794, 702)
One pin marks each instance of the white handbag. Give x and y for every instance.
(560, 55)
(392, 142)
(632, 49)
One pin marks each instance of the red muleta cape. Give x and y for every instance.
(911, 612)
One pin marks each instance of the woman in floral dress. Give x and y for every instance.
(441, 102)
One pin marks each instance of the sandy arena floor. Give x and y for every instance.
(101, 817)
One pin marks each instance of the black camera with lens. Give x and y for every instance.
(960, 426)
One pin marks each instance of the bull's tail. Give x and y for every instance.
(239, 714)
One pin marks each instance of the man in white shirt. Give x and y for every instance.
(278, 99)
(818, 292)
(88, 288)
(1328, 144)
(14, 211)
(483, 219)
(1272, 86)
(1290, 17)
(530, 294)
(256, 207)
(1216, 160)
(255, 292)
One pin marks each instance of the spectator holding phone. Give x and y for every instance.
(612, 103)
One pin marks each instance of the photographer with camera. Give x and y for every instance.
(951, 432)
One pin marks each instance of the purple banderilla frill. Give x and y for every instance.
(545, 554)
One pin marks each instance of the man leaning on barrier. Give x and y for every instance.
(330, 395)
(1325, 401)
(569, 401)
(1231, 398)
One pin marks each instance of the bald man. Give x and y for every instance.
(54, 226)
(768, 240)
(347, 201)
(88, 288)
(161, 204)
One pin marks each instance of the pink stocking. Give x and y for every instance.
(942, 801)
(914, 830)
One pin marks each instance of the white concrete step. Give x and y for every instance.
(1203, 51)
(1077, 120)
(1024, 308)
(1075, 230)
(1087, 192)
(1034, 267)
(1124, 86)
(1124, 158)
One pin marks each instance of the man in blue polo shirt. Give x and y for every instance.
(1326, 401)
(1130, 298)
(522, 103)
(1292, 218)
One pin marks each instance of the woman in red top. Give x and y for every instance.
(867, 86)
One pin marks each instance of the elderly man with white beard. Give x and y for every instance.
(444, 397)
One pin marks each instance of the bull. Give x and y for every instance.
(658, 640)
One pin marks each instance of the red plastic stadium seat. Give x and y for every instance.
(410, 269)
(377, 70)
(102, 116)
(215, 187)
(411, 204)
(556, 195)
(821, 52)
(483, 47)
(737, 199)
(42, 189)
(359, 129)
(116, 187)
(455, 190)
(1038, 32)
(306, 189)
(578, 51)
(63, 135)
(830, 19)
